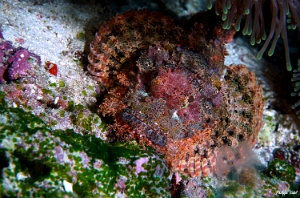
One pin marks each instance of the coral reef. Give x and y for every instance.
(37, 161)
(167, 87)
(38, 89)
(58, 151)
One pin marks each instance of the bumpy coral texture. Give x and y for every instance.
(14, 62)
(166, 86)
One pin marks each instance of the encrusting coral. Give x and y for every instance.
(167, 87)
(14, 62)
(38, 161)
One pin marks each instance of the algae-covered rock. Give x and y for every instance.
(281, 170)
(37, 161)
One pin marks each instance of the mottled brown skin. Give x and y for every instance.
(167, 87)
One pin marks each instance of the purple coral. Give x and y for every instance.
(59, 152)
(14, 62)
(139, 165)
(19, 65)
(121, 184)
(85, 159)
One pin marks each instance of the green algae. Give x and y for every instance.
(62, 83)
(84, 93)
(52, 84)
(80, 36)
(62, 113)
(281, 170)
(31, 166)
(46, 91)
(86, 120)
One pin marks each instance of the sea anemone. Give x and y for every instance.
(296, 79)
(285, 15)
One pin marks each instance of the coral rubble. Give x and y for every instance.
(167, 87)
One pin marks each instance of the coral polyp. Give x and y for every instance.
(167, 87)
